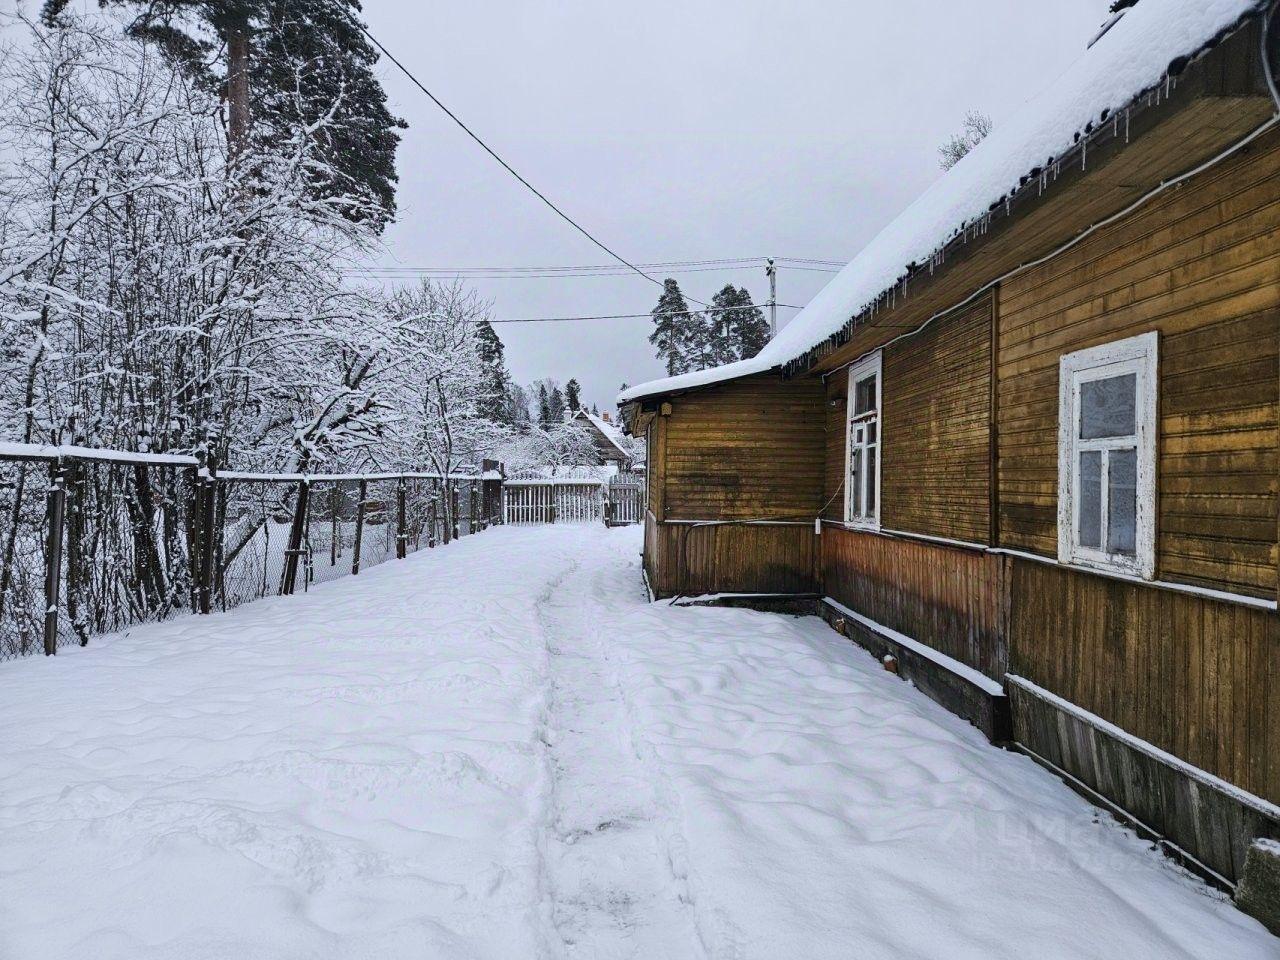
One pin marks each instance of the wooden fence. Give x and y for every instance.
(614, 501)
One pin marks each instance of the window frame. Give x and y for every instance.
(868, 366)
(1140, 356)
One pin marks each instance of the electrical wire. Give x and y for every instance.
(506, 166)
(632, 316)
(575, 272)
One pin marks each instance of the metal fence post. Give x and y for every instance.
(289, 579)
(402, 529)
(335, 528)
(455, 502)
(56, 504)
(432, 514)
(208, 533)
(359, 538)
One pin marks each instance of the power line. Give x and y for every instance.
(511, 170)
(381, 273)
(724, 263)
(624, 316)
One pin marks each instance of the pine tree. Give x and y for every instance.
(595, 411)
(496, 381)
(544, 406)
(293, 61)
(555, 404)
(671, 322)
(741, 325)
(573, 395)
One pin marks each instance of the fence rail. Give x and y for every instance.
(92, 541)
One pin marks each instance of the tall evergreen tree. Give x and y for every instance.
(742, 330)
(671, 322)
(573, 395)
(496, 380)
(555, 404)
(544, 406)
(293, 61)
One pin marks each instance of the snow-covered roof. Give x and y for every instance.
(1131, 58)
(610, 432)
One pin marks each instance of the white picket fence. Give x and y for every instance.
(553, 501)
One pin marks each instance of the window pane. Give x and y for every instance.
(864, 396)
(871, 481)
(1090, 495)
(872, 432)
(855, 483)
(1122, 502)
(1108, 407)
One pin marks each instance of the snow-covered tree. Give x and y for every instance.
(573, 395)
(977, 126)
(281, 66)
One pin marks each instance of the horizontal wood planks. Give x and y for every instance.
(936, 429)
(751, 449)
(946, 597)
(1196, 677)
(754, 558)
(1201, 265)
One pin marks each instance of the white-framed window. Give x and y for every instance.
(862, 444)
(1107, 456)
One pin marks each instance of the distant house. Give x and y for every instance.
(1026, 442)
(610, 442)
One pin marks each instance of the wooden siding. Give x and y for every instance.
(946, 597)
(1201, 266)
(835, 448)
(755, 558)
(747, 450)
(1196, 677)
(937, 429)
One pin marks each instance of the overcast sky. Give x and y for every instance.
(686, 131)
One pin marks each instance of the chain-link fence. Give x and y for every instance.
(92, 541)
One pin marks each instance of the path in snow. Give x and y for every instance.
(612, 892)
(499, 751)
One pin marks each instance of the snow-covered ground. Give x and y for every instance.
(500, 750)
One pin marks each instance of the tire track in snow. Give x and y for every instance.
(608, 877)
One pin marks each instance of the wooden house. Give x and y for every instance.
(1028, 441)
(608, 438)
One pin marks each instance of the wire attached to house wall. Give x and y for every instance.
(1146, 198)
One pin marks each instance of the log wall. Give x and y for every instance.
(1201, 265)
(747, 450)
(936, 426)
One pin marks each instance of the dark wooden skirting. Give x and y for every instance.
(945, 596)
(985, 709)
(690, 559)
(1196, 676)
(1198, 822)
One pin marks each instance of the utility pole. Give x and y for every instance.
(772, 273)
